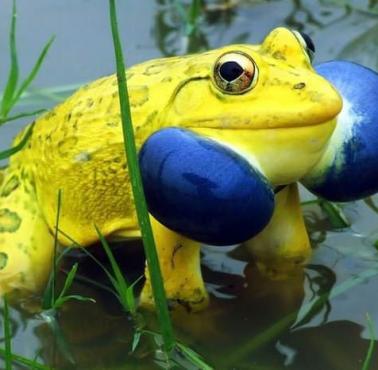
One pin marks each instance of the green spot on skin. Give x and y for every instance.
(9, 221)
(11, 185)
(3, 260)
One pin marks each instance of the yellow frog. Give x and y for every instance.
(265, 102)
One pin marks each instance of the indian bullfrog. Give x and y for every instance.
(262, 107)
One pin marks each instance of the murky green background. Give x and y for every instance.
(252, 323)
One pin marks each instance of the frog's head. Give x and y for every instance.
(264, 101)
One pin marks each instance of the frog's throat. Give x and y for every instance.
(26, 246)
(283, 155)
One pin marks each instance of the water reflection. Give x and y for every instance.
(224, 22)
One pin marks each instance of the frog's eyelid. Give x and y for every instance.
(306, 43)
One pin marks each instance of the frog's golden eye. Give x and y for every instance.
(306, 42)
(235, 73)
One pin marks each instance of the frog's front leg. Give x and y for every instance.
(283, 245)
(179, 259)
(205, 191)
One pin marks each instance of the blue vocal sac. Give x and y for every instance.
(202, 189)
(348, 169)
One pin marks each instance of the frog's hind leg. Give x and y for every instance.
(283, 246)
(26, 245)
(179, 259)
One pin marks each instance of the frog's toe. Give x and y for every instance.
(179, 296)
(348, 168)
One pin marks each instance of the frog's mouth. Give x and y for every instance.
(283, 155)
(240, 123)
(246, 137)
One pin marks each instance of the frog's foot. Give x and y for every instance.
(26, 245)
(180, 266)
(348, 168)
(283, 246)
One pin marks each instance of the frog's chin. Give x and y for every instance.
(283, 155)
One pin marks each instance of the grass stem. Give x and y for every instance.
(369, 354)
(137, 188)
(7, 337)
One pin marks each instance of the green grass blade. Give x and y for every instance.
(25, 361)
(334, 213)
(54, 271)
(369, 354)
(55, 94)
(310, 202)
(332, 210)
(29, 79)
(180, 8)
(121, 284)
(69, 280)
(74, 297)
(370, 203)
(11, 84)
(9, 152)
(84, 279)
(90, 255)
(7, 337)
(62, 254)
(136, 182)
(21, 115)
(48, 297)
(59, 337)
(193, 357)
(193, 15)
(136, 340)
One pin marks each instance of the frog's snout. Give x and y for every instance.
(333, 102)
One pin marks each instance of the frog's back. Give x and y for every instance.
(78, 148)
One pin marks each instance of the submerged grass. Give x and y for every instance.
(7, 336)
(6, 353)
(124, 292)
(137, 188)
(333, 211)
(367, 362)
(291, 320)
(31, 364)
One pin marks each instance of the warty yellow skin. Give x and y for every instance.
(281, 126)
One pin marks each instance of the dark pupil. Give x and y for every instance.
(230, 71)
(309, 43)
